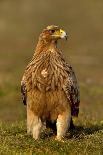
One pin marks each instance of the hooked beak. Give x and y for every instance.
(60, 34)
(63, 34)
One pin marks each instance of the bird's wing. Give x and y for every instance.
(71, 90)
(23, 90)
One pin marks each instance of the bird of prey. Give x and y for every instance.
(49, 86)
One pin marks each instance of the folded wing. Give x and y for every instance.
(71, 90)
(23, 90)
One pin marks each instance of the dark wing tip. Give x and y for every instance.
(24, 93)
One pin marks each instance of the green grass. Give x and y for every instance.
(84, 140)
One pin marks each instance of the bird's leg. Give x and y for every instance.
(30, 118)
(63, 123)
(34, 124)
(52, 125)
(37, 125)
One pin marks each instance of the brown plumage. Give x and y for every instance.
(49, 86)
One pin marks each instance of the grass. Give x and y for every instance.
(84, 140)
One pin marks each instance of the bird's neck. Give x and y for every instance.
(45, 45)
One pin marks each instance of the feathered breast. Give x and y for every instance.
(46, 71)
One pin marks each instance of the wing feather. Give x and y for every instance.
(71, 90)
(23, 90)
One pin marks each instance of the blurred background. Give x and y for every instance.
(21, 22)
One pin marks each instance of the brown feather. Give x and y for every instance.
(50, 82)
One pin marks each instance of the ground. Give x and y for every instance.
(19, 32)
(85, 140)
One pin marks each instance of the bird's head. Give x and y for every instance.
(53, 33)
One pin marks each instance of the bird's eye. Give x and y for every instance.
(52, 31)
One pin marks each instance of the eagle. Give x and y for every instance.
(49, 86)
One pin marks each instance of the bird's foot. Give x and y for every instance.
(60, 139)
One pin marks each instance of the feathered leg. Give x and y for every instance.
(37, 125)
(34, 124)
(52, 125)
(63, 123)
(30, 118)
